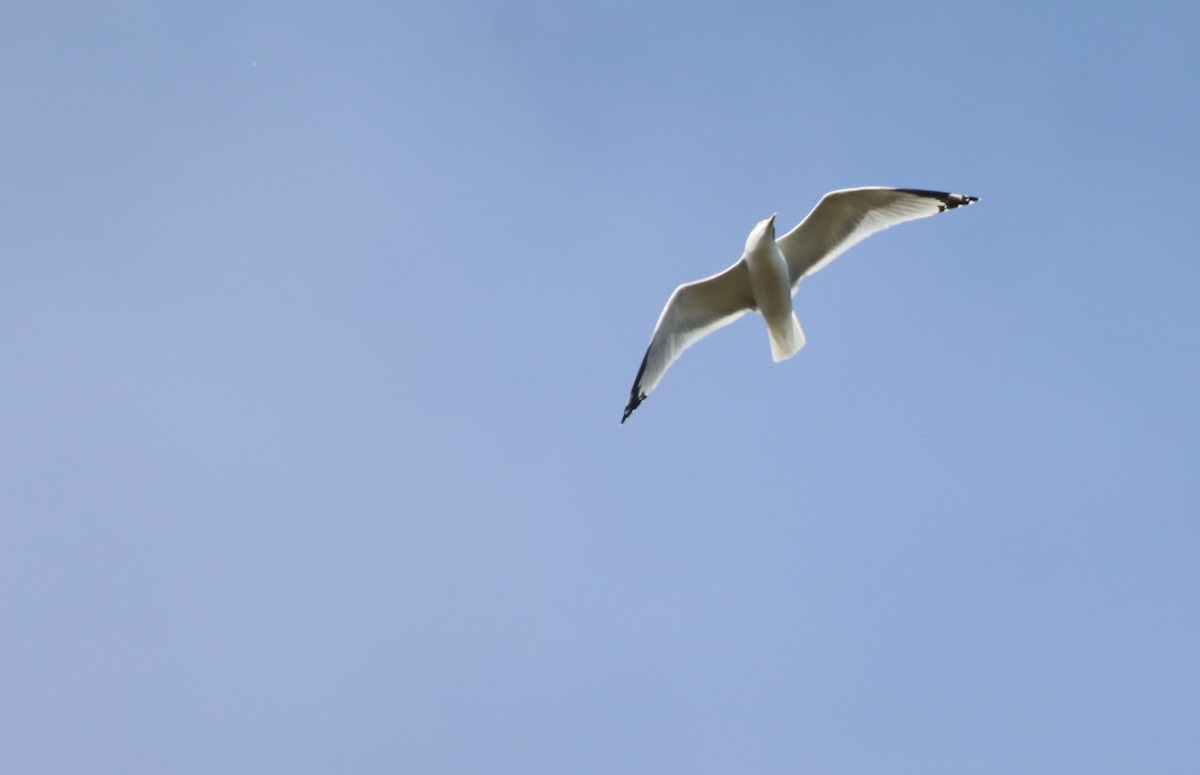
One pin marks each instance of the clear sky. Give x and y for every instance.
(317, 323)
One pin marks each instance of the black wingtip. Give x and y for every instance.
(948, 201)
(635, 401)
(636, 396)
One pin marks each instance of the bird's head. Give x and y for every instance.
(763, 231)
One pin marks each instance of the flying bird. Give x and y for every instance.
(769, 272)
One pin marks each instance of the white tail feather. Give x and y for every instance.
(786, 342)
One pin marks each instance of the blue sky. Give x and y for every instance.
(318, 323)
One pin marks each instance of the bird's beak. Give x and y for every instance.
(771, 220)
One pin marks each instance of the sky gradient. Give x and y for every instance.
(318, 321)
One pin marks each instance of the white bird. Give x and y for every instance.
(769, 272)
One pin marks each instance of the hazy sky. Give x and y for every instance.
(318, 320)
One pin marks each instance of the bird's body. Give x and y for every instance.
(769, 272)
(771, 287)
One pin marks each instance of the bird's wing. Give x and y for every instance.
(693, 311)
(844, 218)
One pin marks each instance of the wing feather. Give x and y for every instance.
(692, 312)
(844, 218)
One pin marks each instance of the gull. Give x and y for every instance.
(767, 275)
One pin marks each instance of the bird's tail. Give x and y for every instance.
(786, 340)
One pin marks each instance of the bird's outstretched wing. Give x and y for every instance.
(693, 311)
(844, 218)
